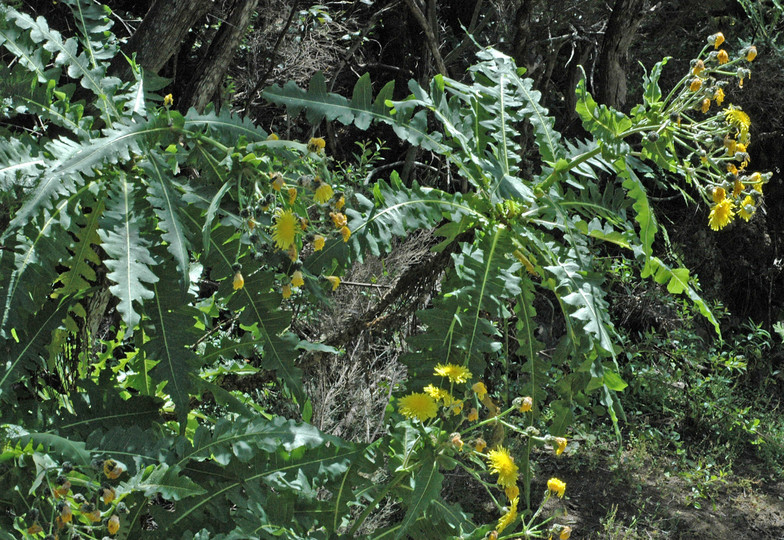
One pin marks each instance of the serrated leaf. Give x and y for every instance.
(129, 257)
(426, 488)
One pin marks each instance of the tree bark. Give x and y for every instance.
(621, 28)
(160, 34)
(209, 72)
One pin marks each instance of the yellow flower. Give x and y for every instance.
(107, 493)
(509, 517)
(277, 181)
(723, 57)
(699, 67)
(345, 232)
(35, 528)
(747, 208)
(456, 407)
(286, 290)
(168, 101)
(480, 390)
(439, 394)
(473, 415)
(716, 39)
(112, 469)
(721, 214)
(339, 220)
(719, 194)
(418, 405)
(297, 280)
(561, 442)
(272, 137)
(512, 492)
(480, 444)
(527, 405)
(340, 203)
(316, 145)
(456, 374)
(751, 53)
(303, 223)
(739, 120)
(239, 281)
(696, 84)
(318, 242)
(737, 188)
(705, 105)
(292, 195)
(718, 96)
(502, 464)
(292, 251)
(323, 193)
(334, 280)
(66, 513)
(285, 229)
(566, 532)
(556, 486)
(113, 525)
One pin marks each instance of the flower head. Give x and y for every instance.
(277, 181)
(439, 394)
(566, 533)
(723, 57)
(502, 464)
(112, 469)
(456, 441)
(718, 96)
(696, 84)
(323, 193)
(340, 203)
(418, 405)
(719, 194)
(345, 232)
(747, 208)
(473, 415)
(716, 39)
(456, 374)
(292, 195)
(738, 119)
(480, 444)
(113, 525)
(527, 404)
(556, 486)
(272, 137)
(286, 290)
(297, 279)
(334, 280)
(316, 145)
(705, 105)
(721, 214)
(318, 242)
(168, 101)
(285, 229)
(509, 517)
(751, 53)
(338, 219)
(480, 390)
(512, 492)
(561, 443)
(698, 67)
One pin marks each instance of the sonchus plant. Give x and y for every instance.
(191, 235)
(512, 235)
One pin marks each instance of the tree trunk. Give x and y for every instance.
(621, 28)
(209, 72)
(160, 34)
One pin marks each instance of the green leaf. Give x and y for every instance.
(129, 257)
(605, 123)
(426, 488)
(165, 481)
